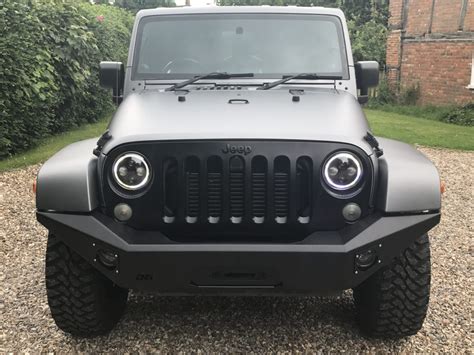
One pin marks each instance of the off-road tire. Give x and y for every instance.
(82, 301)
(393, 302)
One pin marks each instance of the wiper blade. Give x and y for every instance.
(214, 75)
(308, 76)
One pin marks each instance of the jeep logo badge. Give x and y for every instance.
(237, 149)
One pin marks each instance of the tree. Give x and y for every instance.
(135, 5)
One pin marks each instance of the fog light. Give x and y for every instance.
(107, 258)
(366, 259)
(123, 212)
(351, 212)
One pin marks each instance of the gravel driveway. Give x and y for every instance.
(217, 324)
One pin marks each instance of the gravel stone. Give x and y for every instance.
(235, 324)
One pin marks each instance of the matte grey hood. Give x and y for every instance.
(320, 115)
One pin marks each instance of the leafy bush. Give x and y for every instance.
(386, 95)
(49, 56)
(368, 40)
(463, 116)
(135, 5)
(409, 95)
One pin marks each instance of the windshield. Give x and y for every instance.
(268, 45)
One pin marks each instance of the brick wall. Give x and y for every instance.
(394, 42)
(446, 15)
(419, 14)
(431, 45)
(396, 14)
(469, 19)
(441, 69)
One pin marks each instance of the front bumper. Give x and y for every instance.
(322, 263)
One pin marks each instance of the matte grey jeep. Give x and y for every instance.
(239, 161)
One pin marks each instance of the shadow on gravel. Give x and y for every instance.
(235, 323)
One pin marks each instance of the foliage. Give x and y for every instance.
(389, 95)
(409, 95)
(49, 55)
(461, 115)
(367, 21)
(386, 95)
(51, 145)
(368, 40)
(135, 5)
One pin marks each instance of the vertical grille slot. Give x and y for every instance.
(170, 189)
(214, 189)
(236, 188)
(192, 177)
(281, 188)
(304, 178)
(259, 189)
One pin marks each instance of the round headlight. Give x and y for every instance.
(131, 171)
(342, 171)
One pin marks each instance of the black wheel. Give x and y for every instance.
(393, 302)
(82, 301)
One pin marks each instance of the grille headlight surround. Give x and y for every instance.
(131, 171)
(342, 171)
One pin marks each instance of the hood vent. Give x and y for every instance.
(219, 87)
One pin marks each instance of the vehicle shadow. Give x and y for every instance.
(215, 324)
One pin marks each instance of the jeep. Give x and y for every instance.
(239, 162)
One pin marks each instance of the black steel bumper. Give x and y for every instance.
(322, 263)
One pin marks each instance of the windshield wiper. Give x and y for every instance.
(214, 75)
(307, 76)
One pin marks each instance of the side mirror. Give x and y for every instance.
(367, 76)
(111, 76)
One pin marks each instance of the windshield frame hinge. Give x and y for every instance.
(104, 138)
(374, 143)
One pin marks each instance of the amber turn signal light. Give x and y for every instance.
(442, 187)
(34, 186)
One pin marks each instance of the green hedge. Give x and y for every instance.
(49, 57)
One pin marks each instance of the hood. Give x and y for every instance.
(319, 115)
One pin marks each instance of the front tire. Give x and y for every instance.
(82, 301)
(393, 302)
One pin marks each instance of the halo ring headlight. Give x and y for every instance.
(342, 171)
(131, 171)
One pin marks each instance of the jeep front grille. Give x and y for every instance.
(216, 190)
(221, 190)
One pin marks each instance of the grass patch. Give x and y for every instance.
(416, 130)
(408, 129)
(53, 144)
(461, 115)
(428, 112)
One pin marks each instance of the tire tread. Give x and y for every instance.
(393, 302)
(82, 301)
